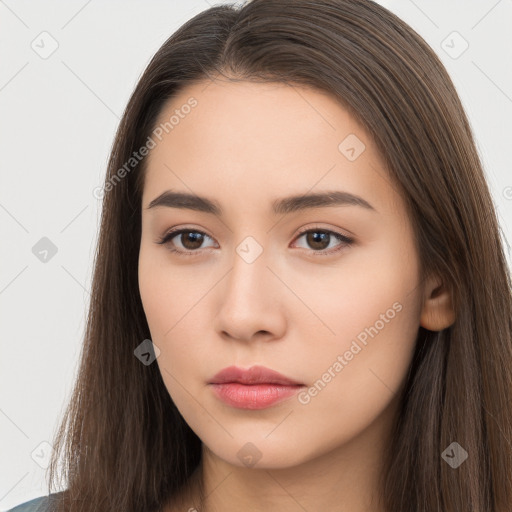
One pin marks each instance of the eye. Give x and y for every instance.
(192, 241)
(318, 239)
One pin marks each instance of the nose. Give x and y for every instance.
(251, 301)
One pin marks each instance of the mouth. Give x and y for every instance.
(254, 388)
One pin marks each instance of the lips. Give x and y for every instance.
(253, 375)
(253, 388)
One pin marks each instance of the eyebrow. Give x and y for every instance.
(285, 205)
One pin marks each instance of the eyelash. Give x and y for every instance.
(172, 234)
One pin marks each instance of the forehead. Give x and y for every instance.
(250, 142)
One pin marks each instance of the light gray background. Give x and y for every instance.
(58, 118)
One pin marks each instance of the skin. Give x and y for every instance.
(244, 145)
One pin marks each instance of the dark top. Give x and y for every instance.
(36, 505)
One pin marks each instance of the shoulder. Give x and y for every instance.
(40, 504)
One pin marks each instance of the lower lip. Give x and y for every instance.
(254, 396)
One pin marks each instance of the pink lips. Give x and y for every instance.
(255, 388)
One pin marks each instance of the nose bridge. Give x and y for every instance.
(247, 301)
(249, 270)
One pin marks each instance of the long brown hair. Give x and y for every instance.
(125, 446)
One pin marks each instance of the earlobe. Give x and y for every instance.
(438, 312)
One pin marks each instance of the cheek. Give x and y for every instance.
(358, 381)
(357, 378)
(167, 293)
(170, 302)
(372, 293)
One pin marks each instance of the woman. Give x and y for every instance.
(255, 135)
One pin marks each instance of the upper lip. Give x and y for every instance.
(253, 375)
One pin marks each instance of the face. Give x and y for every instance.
(325, 293)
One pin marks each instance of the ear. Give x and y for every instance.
(437, 312)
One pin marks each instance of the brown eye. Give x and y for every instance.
(190, 239)
(320, 239)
